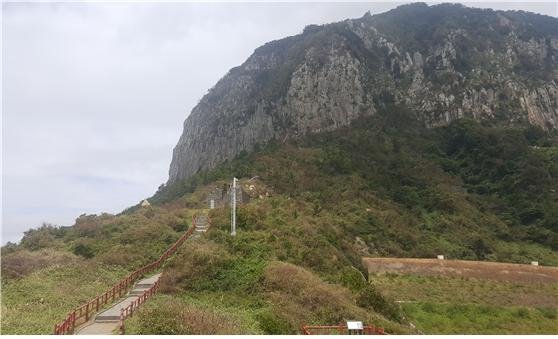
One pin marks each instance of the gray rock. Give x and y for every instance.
(330, 75)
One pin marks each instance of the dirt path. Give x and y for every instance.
(463, 268)
(107, 321)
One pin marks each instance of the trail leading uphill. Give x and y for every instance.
(107, 321)
(121, 308)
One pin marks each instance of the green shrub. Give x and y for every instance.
(372, 299)
(353, 279)
(83, 250)
(42, 237)
(548, 312)
(272, 323)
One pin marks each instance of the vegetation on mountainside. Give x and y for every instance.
(468, 191)
(383, 187)
(386, 186)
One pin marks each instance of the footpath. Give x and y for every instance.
(109, 320)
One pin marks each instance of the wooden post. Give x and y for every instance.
(97, 304)
(87, 312)
(73, 320)
(121, 321)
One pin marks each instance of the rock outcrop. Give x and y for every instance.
(444, 62)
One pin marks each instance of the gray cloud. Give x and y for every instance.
(94, 95)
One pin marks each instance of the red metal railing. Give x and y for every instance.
(340, 329)
(129, 310)
(83, 313)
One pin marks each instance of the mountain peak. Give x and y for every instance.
(444, 62)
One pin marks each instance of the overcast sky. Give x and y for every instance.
(94, 95)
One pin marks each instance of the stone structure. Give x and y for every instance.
(221, 197)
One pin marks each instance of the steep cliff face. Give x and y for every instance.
(444, 62)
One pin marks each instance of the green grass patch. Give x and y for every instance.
(465, 290)
(437, 318)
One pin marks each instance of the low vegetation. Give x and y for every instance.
(34, 303)
(446, 305)
(383, 187)
(167, 315)
(442, 318)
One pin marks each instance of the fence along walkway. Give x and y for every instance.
(200, 226)
(83, 314)
(340, 329)
(109, 320)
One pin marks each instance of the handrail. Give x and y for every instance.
(340, 329)
(82, 313)
(129, 310)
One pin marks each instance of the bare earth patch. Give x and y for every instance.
(461, 268)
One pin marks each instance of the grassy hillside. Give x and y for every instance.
(383, 187)
(445, 305)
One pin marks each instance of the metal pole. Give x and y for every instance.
(233, 207)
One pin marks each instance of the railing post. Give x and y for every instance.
(97, 304)
(87, 312)
(121, 321)
(73, 320)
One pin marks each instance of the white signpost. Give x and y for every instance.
(354, 327)
(233, 207)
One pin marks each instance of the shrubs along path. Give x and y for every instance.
(108, 321)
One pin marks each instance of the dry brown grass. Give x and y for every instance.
(170, 316)
(300, 297)
(23, 262)
(121, 255)
(195, 260)
(463, 268)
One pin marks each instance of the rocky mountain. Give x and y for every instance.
(443, 62)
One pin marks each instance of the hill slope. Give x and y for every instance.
(384, 186)
(465, 190)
